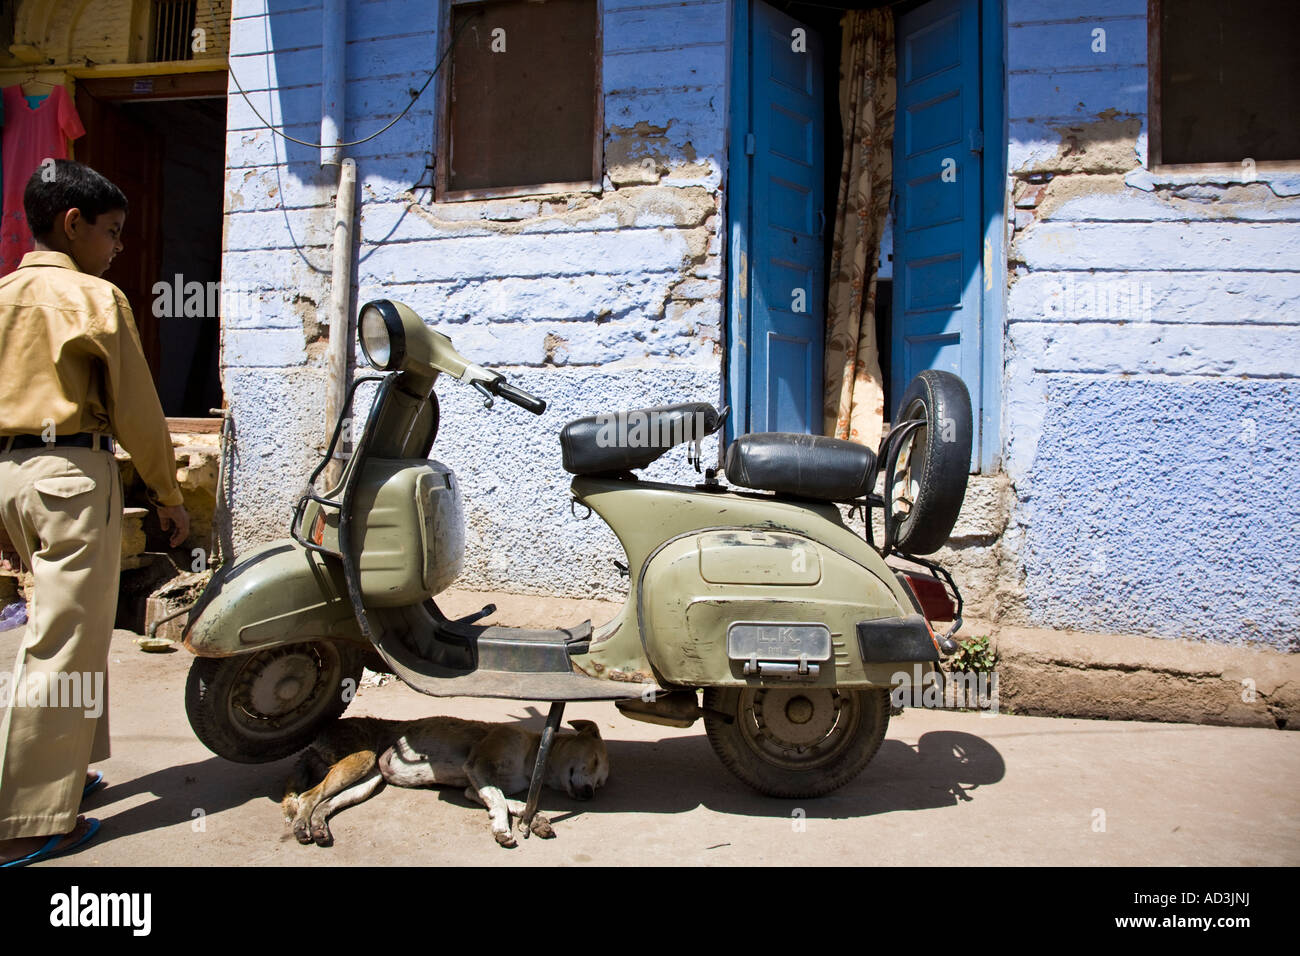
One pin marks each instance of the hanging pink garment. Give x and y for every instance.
(30, 136)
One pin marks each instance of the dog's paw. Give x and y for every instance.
(301, 833)
(542, 827)
(506, 839)
(321, 836)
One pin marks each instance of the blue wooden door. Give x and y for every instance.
(786, 298)
(937, 189)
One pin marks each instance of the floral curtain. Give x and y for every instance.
(855, 400)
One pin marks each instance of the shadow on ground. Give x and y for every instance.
(188, 791)
(679, 774)
(671, 775)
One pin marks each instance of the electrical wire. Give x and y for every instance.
(279, 132)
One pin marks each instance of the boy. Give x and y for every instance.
(72, 376)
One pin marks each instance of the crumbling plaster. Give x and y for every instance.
(595, 300)
(1149, 379)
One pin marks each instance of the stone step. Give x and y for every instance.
(197, 464)
(133, 542)
(180, 592)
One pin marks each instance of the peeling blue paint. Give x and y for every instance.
(1153, 451)
(1153, 455)
(595, 302)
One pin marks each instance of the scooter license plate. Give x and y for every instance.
(778, 642)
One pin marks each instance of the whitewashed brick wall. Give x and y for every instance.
(1152, 439)
(596, 302)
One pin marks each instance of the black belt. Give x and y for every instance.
(95, 440)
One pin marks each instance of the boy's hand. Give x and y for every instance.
(9, 559)
(177, 518)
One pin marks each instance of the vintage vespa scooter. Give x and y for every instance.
(758, 594)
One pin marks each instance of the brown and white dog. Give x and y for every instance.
(353, 758)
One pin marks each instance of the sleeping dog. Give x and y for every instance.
(353, 758)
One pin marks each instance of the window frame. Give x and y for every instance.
(442, 134)
(1154, 119)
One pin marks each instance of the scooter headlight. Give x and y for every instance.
(383, 340)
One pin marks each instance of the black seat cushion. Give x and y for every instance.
(616, 442)
(808, 466)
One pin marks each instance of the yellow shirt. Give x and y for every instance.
(70, 354)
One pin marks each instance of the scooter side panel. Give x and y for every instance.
(279, 593)
(686, 626)
(647, 516)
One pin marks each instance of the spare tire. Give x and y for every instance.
(931, 464)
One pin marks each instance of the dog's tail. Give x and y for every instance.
(297, 781)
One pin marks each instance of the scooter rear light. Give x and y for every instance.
(318, 529)
(932, 597)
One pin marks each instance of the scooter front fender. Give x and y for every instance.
(279, 593)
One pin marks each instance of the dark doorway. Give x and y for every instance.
(762, 404)
(162, 140)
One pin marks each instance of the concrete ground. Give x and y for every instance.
(946, 788)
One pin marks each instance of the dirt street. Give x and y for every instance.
(946, 788)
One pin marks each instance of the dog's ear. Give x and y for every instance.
(585, 727)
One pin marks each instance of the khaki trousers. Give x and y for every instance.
(63, 509)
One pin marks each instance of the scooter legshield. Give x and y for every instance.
(279, 593)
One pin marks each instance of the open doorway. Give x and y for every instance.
(937, 298)
(826, 19)
(162, 140)
(786, 149)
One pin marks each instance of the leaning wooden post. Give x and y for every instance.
(340, 327)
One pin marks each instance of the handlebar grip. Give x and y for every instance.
(521, 398)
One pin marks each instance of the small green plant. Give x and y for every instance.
(973, 654)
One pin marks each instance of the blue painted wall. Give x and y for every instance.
(1151, 441)
(596, 302)
(1152, 400)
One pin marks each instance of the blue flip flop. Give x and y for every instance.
(94, 784)
(48, 852)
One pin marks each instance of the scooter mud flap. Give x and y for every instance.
(430, 678)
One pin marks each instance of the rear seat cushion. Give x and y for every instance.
(807, 466)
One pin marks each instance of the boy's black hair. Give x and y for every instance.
(69, 185)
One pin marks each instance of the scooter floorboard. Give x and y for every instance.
(570, 685)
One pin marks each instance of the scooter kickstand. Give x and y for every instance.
(539, 769)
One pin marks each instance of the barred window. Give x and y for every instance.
(173, 24)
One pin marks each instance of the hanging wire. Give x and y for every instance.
(279, 132)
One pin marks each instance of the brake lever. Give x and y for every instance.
(483, 390)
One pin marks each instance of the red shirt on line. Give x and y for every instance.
(30, 136)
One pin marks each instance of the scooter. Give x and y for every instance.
(758, 593)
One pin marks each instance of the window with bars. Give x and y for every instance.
(173, 26)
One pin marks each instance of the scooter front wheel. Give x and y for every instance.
(260, 707)
(797, 741)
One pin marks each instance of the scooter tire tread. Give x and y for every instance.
(739, 758)
(947, 464)
(208, 685)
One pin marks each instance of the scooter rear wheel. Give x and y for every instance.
(260, 707)
(795, 742)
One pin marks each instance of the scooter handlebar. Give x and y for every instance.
(518, 396)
